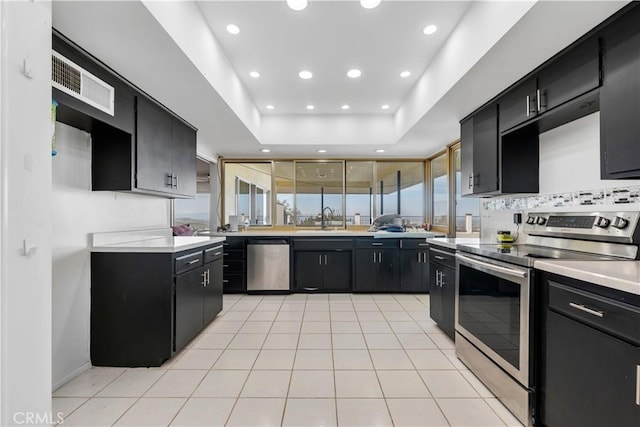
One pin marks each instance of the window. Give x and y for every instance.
(359, 193)
(401, 190)
(466, 205)
(440, 192)
(196, 212)
(318, 197)
(285, 214)
(248, 192)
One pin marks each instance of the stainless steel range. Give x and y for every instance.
(495, 294)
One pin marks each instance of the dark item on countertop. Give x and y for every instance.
(183, 230)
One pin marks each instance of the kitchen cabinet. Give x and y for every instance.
(518, 105)
(198, 298)
(442, 292)
(590, 367)
(377, 265)
(323, 265)
(234, 267)
(466, 156)
(620, 98)
(414, 266)
(147, 306)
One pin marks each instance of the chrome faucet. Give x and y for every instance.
(322, 221)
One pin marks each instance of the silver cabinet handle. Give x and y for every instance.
(424, 255)
(225, 280)
(204, 279)
(225, 265)
(586, 309)
(441, 258)
(538, 100)
(174, 181)
(491, 267)
(325, 259)
(169, 181)
(194, 261)
(217, 253)
(380, 257)
(376, 244)
(419, 258)
(320, 259)
(423, 244)
(638, 385)
(528, 105)
(470, 180)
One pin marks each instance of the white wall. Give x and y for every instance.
(569, 163)
(25, 212)
(77, 212)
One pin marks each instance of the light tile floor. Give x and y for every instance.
(296, 360)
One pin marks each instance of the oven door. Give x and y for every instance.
(492, 311)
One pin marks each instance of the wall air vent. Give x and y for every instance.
(79, 83)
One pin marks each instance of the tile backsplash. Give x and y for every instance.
(623, 198)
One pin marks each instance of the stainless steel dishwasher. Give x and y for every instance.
(267, 265)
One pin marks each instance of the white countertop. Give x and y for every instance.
(620, 275)
(158, 240)
(451, 242)
(333, 233)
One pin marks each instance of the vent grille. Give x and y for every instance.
(79, 83)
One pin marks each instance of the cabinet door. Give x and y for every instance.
(184, 158)
(388, 278)
(154, 147)
(309, 270)
(578, 359)
(435, 293)
(620, 99)
(188, 306)
(366, 270)
(518, 105)
(414, 271)
(485, 150)
(574, 73)
(212, 292)
(466, 156)
(337, 271)
(448, 281)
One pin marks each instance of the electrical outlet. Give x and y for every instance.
(517, 218)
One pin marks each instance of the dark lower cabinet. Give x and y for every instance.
(147, 306)
(590, 358)
(442, 291)
(620, 99)
(377, 270)
(414, 270)
(324, 271)
(234, 272)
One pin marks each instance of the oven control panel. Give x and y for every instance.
(620, 227)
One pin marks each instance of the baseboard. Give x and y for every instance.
(62, 381)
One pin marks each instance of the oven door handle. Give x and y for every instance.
(493, 267)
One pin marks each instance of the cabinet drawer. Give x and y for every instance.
(322, 244)
(442, 257)
(233, 266)
(188, 262)
(377, 243)
(212, 254)
(234, 283)
(233, 254)
(614, 317)
(234, 243)
(413, 244)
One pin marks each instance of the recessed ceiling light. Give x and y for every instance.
(297, 4)
(354, 73)
(405, 74)
(233, 29)
(380, 150)
(270, 107)
(254, 74)
(430, 29)
(345, 107)
(305, 75)
(322, 151)
(385, 107)
(310, 107)
(265, 150)
(370, 4)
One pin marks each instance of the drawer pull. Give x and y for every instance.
(217, 253)
(586, 309)
(638, 385)
(225, 265)
(376, 244)
(194, 261)
(225, 280)
(423, 244)
(441, 258)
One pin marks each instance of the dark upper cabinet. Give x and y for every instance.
(466, 156)
(567, 77)
(485, 150)
(184, 158)
(518, 105)
(154, 147)
(620, 99)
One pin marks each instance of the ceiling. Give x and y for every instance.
(329, 38)
(180, 53)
